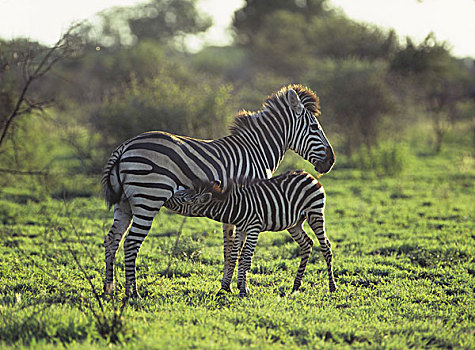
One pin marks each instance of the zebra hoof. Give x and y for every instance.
(223, 291)
(132, 294)
(295, 288)
(243, 295)
(108, 288)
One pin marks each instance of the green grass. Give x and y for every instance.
(403, 246)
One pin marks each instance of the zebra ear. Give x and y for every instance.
(205, 198)
(179, 189)
(295, 102)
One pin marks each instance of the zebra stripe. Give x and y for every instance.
(282, 202)
(143, 172)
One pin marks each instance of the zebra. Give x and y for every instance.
(280, 203)
(143, 172)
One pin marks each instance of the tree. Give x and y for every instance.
(176, 100)
(441, 82)
(292, 37)
(163, 21)
(249, 20)
(32, 62)
(356, 98)
(340, 37)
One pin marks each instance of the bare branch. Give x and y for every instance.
(24, 172)
(62, 49)
(175, 247)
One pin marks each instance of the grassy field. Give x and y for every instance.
(403, 248)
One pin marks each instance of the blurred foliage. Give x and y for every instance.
(163, 20)
(359, 100)
(135, 74)
(439, 80)
(160, 20)
(250, 20)
(180, 104)
(385, 159)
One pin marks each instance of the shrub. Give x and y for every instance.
(357, 99)
(386, 158)
(182, 104)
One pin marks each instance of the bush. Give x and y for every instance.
(386, 158)
(357, 99)
(183, 103)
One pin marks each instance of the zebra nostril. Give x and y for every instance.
(330, 153)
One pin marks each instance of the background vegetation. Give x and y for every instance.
(400, 198)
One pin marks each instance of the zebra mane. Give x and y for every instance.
(220, 193)
(244, 120)
(249, 181)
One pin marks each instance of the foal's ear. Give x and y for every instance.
(180, 189)
(216, 183)
(295, 102)
(205, 198)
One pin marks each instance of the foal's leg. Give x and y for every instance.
(240, 261)
(247, 254)
(316, 221)
(239, 240)
(229, 234)
(122, 218)
(305, 242)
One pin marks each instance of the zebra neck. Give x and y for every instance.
(266, 138)
(229, 209)
(218, 210)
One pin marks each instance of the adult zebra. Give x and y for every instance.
(143, 172)
(283, 202)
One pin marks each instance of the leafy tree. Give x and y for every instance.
(162, 21)
(174, 100)
(101, 72)
(355, 96)
(249, 20)
(290, 36)
(340, 37)
(281, 44)
(440, 81)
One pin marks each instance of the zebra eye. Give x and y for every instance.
(314, 127)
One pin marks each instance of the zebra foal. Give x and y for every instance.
(279, 203)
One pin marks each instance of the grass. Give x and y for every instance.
(403, 257)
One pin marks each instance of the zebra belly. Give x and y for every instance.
(284, 224)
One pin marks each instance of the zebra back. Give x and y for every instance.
(276, 203)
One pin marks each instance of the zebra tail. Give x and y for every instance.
(112, 194)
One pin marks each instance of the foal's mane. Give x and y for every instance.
(221, 193)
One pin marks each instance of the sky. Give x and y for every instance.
(452, 21)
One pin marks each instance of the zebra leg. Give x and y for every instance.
(122, 218)
(306, 244)
(141, 225)
(248, 253)
(240, 262)
(229, 233)
(233, 256)
(317, 223)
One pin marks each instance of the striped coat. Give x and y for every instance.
(282, 202)
(143, 172)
